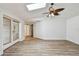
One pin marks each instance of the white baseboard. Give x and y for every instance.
(22, 39)
(10, 44)
(76, 42)
(51, 38)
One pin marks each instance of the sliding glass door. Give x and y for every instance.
(7, 30)
(15, 30)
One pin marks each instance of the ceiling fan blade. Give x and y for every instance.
(56, 13)
(60, 9)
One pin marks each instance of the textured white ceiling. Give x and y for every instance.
(20, 10)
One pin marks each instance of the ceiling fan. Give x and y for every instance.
(53, 11)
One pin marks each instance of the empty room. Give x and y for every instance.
(39, 29)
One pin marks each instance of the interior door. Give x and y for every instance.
(7, 30)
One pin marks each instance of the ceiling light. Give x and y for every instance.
(36, 6)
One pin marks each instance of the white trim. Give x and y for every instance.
(76, 42)
(51, 38)
(10, 44)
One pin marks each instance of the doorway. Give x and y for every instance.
(29, 30)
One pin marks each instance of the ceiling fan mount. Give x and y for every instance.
(52, 3)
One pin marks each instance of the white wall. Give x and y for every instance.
(1, 33)
(73, 29)
(22, 31)
(50, 28)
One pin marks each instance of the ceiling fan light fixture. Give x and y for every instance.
(52, 14)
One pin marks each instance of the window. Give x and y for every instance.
(35, 6)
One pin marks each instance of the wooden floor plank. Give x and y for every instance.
(37, 47)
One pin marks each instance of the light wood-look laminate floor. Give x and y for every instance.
(37, 47)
